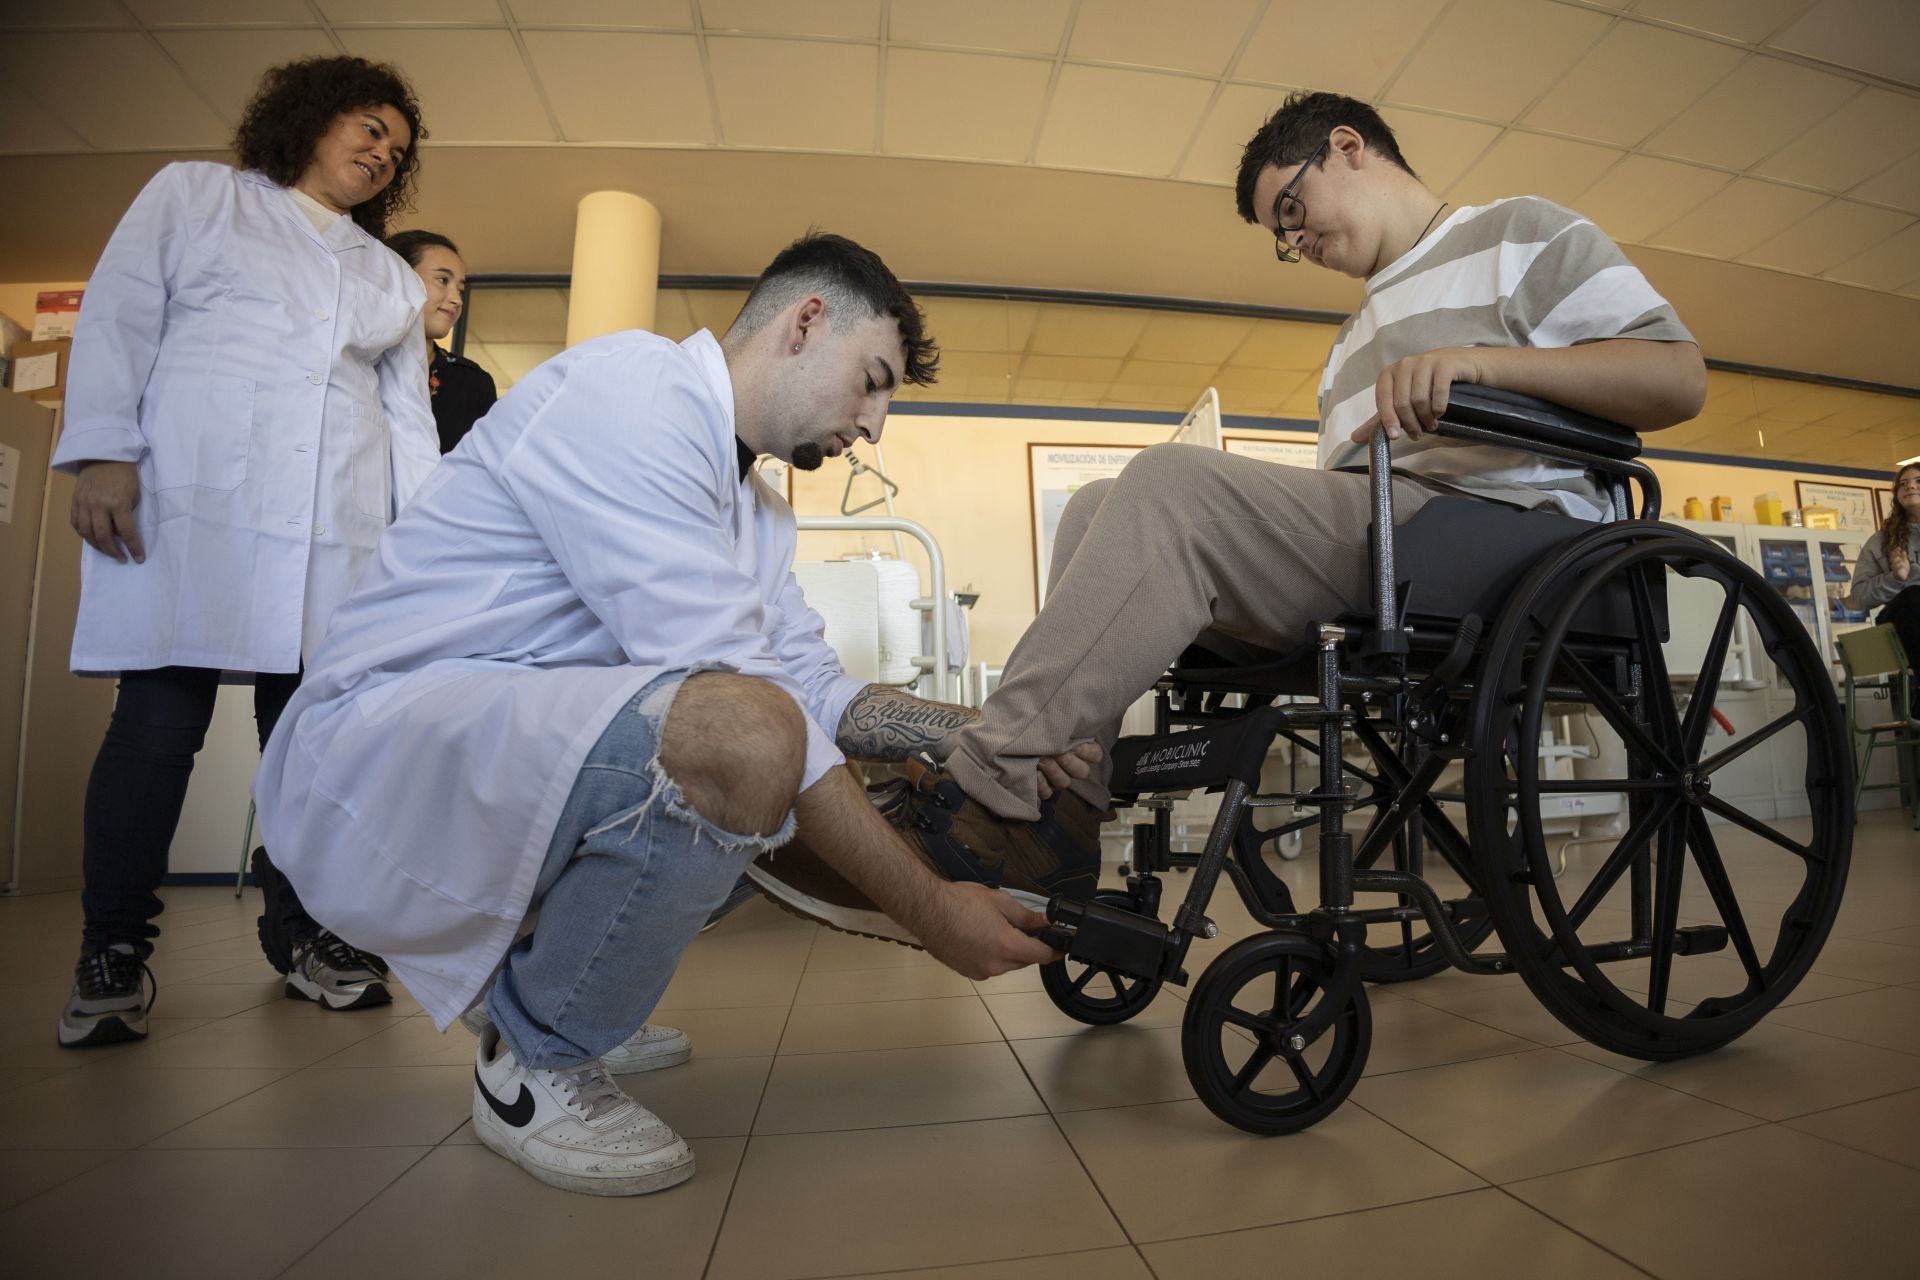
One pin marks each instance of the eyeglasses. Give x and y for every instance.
(1289, 214)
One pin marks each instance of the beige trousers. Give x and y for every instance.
(1187, 542)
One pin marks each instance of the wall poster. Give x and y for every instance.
(1054, 472)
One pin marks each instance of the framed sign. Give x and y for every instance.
(1882, 504)
(1853, 502)
(1054, 472)
(1292, 453)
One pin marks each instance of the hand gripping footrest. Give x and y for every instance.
(1107, 937)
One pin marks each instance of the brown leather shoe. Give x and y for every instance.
(958, 840)
(1033, 861)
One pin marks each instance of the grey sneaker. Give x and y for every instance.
(109, 1001)
(651, 1048)
(336, 975)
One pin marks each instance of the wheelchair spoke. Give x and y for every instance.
(1598, 786)
(1652, 656)
(1670, 871)
(1706, 689)
(1305, 1076)
(1250, 1022)
(1622, 856)
(1616, 715)
(1714, 763)
(1742, 819)
(1706, 856)
(1256, 1063)
(1087, 975)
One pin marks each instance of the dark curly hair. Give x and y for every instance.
(1894, 529)
(297, 103)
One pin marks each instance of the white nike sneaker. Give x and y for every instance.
(572, 1129)
(651, 1048)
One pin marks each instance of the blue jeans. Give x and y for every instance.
(631, 875)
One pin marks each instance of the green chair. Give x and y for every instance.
(1874, 654)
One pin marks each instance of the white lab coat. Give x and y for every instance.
(270, 382)
(593, 531)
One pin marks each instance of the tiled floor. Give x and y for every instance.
(858, 1110)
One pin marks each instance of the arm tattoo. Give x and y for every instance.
(886, 724)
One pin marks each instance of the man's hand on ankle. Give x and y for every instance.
(1057, 771)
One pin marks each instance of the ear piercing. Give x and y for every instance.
(796, 348)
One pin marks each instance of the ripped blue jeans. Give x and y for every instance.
(632, 873)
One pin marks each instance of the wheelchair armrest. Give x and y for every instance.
(1530, 421)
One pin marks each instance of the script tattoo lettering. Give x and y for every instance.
(886, 724)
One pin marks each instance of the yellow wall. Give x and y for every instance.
(966, 480)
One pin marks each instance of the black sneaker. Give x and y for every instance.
(336, 975)
(109, 1003)
(276, 940)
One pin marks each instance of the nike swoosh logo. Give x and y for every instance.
(517, 1114)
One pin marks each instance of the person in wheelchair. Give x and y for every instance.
(1190, 543)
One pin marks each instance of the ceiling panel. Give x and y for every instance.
(1850, 145)
(1553, 168)
(164, 12)
(1641, 194)
(1881, 37)
(1196, 35)
(1439, 148)
(227, 66)
(1739, 216)
(774, 93)
(859, 19)
(1009, 26)
(473, 85)
(974, 364)
(1828, 237)
(471, 11)
(1181, 338)
(1087, 331)
(1762, 105)
(1531, 44)
(590, 81)
(1749, 21)
(1376, 37)
(979, 324)
(24, 127)
(89, 79)
(1236, 115)
(1891, 264)
(1636, 79)
(1121, 121)
(604, 13)
(968, 106)
(1897, 185)
(1069, 368)
(67, 13)
(1284, 344)
(1237, 385)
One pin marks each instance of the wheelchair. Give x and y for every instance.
(1485, 623)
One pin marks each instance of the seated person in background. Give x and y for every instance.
(578, 690)
(1885, 574)
(461, 390)
(1191, 542)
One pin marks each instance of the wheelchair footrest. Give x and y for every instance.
(1108, 937)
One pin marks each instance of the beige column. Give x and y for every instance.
(616, 265)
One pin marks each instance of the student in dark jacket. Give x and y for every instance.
(462, 390)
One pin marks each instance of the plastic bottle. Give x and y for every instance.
(1694, 510)
(1722, 507)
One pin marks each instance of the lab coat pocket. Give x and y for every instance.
(377, 319)
(209, 450)
(372, 470)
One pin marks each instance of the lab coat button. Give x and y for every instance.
(315, 379)
(319, 531)
(319, 315)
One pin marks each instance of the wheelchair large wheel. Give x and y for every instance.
(1094, 994)
(1263, 1049)
(1684, 934)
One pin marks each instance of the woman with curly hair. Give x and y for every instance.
(247, 409)
(1886, 573)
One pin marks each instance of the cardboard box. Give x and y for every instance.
(39, 370)
(54, 314)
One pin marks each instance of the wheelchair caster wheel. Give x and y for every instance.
(1094, 994)
(1263, 1049)
(1291, 845)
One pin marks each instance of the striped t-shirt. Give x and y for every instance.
(1521, 272)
